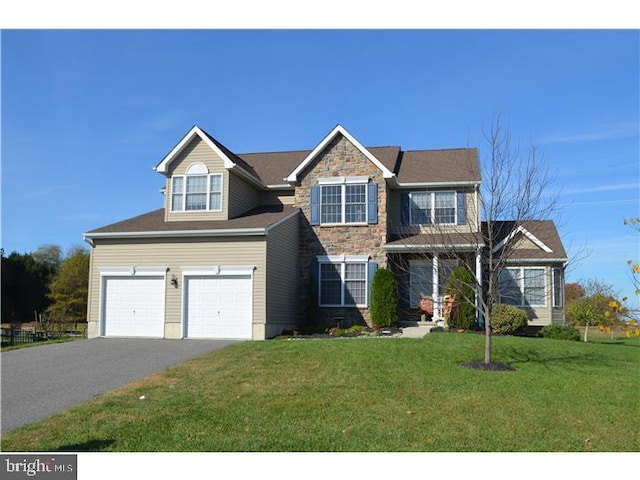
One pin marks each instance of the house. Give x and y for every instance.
(248, 245)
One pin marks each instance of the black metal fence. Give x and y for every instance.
(17, 336)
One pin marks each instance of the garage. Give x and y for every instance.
(218, 306)
(133, 306)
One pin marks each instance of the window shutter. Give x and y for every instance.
(315, 206)
(372, 202)
(462, 208)
(405, 205)
(372, 267)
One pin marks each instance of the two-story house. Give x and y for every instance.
(248, 245)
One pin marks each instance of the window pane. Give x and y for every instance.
(215, 201)
(176, 194)
(331, 204)
(215, 183)
(355, 203)
(177, 184)
(196, 192)
(509, 286)
(196, 201)
(197, 184)
(534, 282)
(176, 203)
(356, 284)
(215, 195)
(557, 288)
(330, 284)
(445, 207)
(420, 283)
(420, 208)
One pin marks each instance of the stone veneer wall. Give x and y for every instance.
(340, 158)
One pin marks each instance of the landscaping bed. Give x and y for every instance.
(355, 331)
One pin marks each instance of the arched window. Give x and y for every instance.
(197, 190)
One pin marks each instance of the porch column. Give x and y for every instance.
(479, 318)
(436, 293)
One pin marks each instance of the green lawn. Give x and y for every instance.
(366, 395)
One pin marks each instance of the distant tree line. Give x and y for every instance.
(45, 284)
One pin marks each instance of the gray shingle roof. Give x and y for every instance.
(543, 230)
(258, 218)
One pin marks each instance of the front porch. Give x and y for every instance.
(421, 277)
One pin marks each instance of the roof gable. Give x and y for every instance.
(338, 130)
(230, 160)
(521, 230)
(542, 237)
(163, 166)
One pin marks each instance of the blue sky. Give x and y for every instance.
(87, 114)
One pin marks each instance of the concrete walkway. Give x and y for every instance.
(415, 332)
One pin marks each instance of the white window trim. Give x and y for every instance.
(343, 260)
(521, 286)
(207, 193)
(432, 213)
(342, 182)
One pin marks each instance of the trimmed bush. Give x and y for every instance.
(384, 303)
(507, 319)
(560, 332)
(460, 286)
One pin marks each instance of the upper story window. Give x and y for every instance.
(344, 200)
(197, 190)
(434, 208)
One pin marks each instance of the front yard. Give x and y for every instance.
(359, 395)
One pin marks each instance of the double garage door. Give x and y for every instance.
(213, 306)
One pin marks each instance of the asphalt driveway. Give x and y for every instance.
(40, 381)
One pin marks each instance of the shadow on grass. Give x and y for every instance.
(90, 446)
(516, 355)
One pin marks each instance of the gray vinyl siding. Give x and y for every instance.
(242, 196)
(197, 152)
(282, 276)
(174, 254)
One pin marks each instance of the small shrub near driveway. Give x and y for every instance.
(560, 332)
(507, 319)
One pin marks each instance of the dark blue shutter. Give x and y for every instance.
(372, 267)
(372, 202)
(405, 204)
(462, 208)
(315, 206)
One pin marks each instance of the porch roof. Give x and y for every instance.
(427, 242)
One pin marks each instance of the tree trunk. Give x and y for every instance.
(487, 341)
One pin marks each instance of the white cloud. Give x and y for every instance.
(614, 187)
(611, 132)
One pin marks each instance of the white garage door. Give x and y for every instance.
(219, 307)
(134, 307)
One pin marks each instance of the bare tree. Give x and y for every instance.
(515, 194)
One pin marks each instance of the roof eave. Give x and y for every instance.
(432, 246)
(469, 183)
(229, 232)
